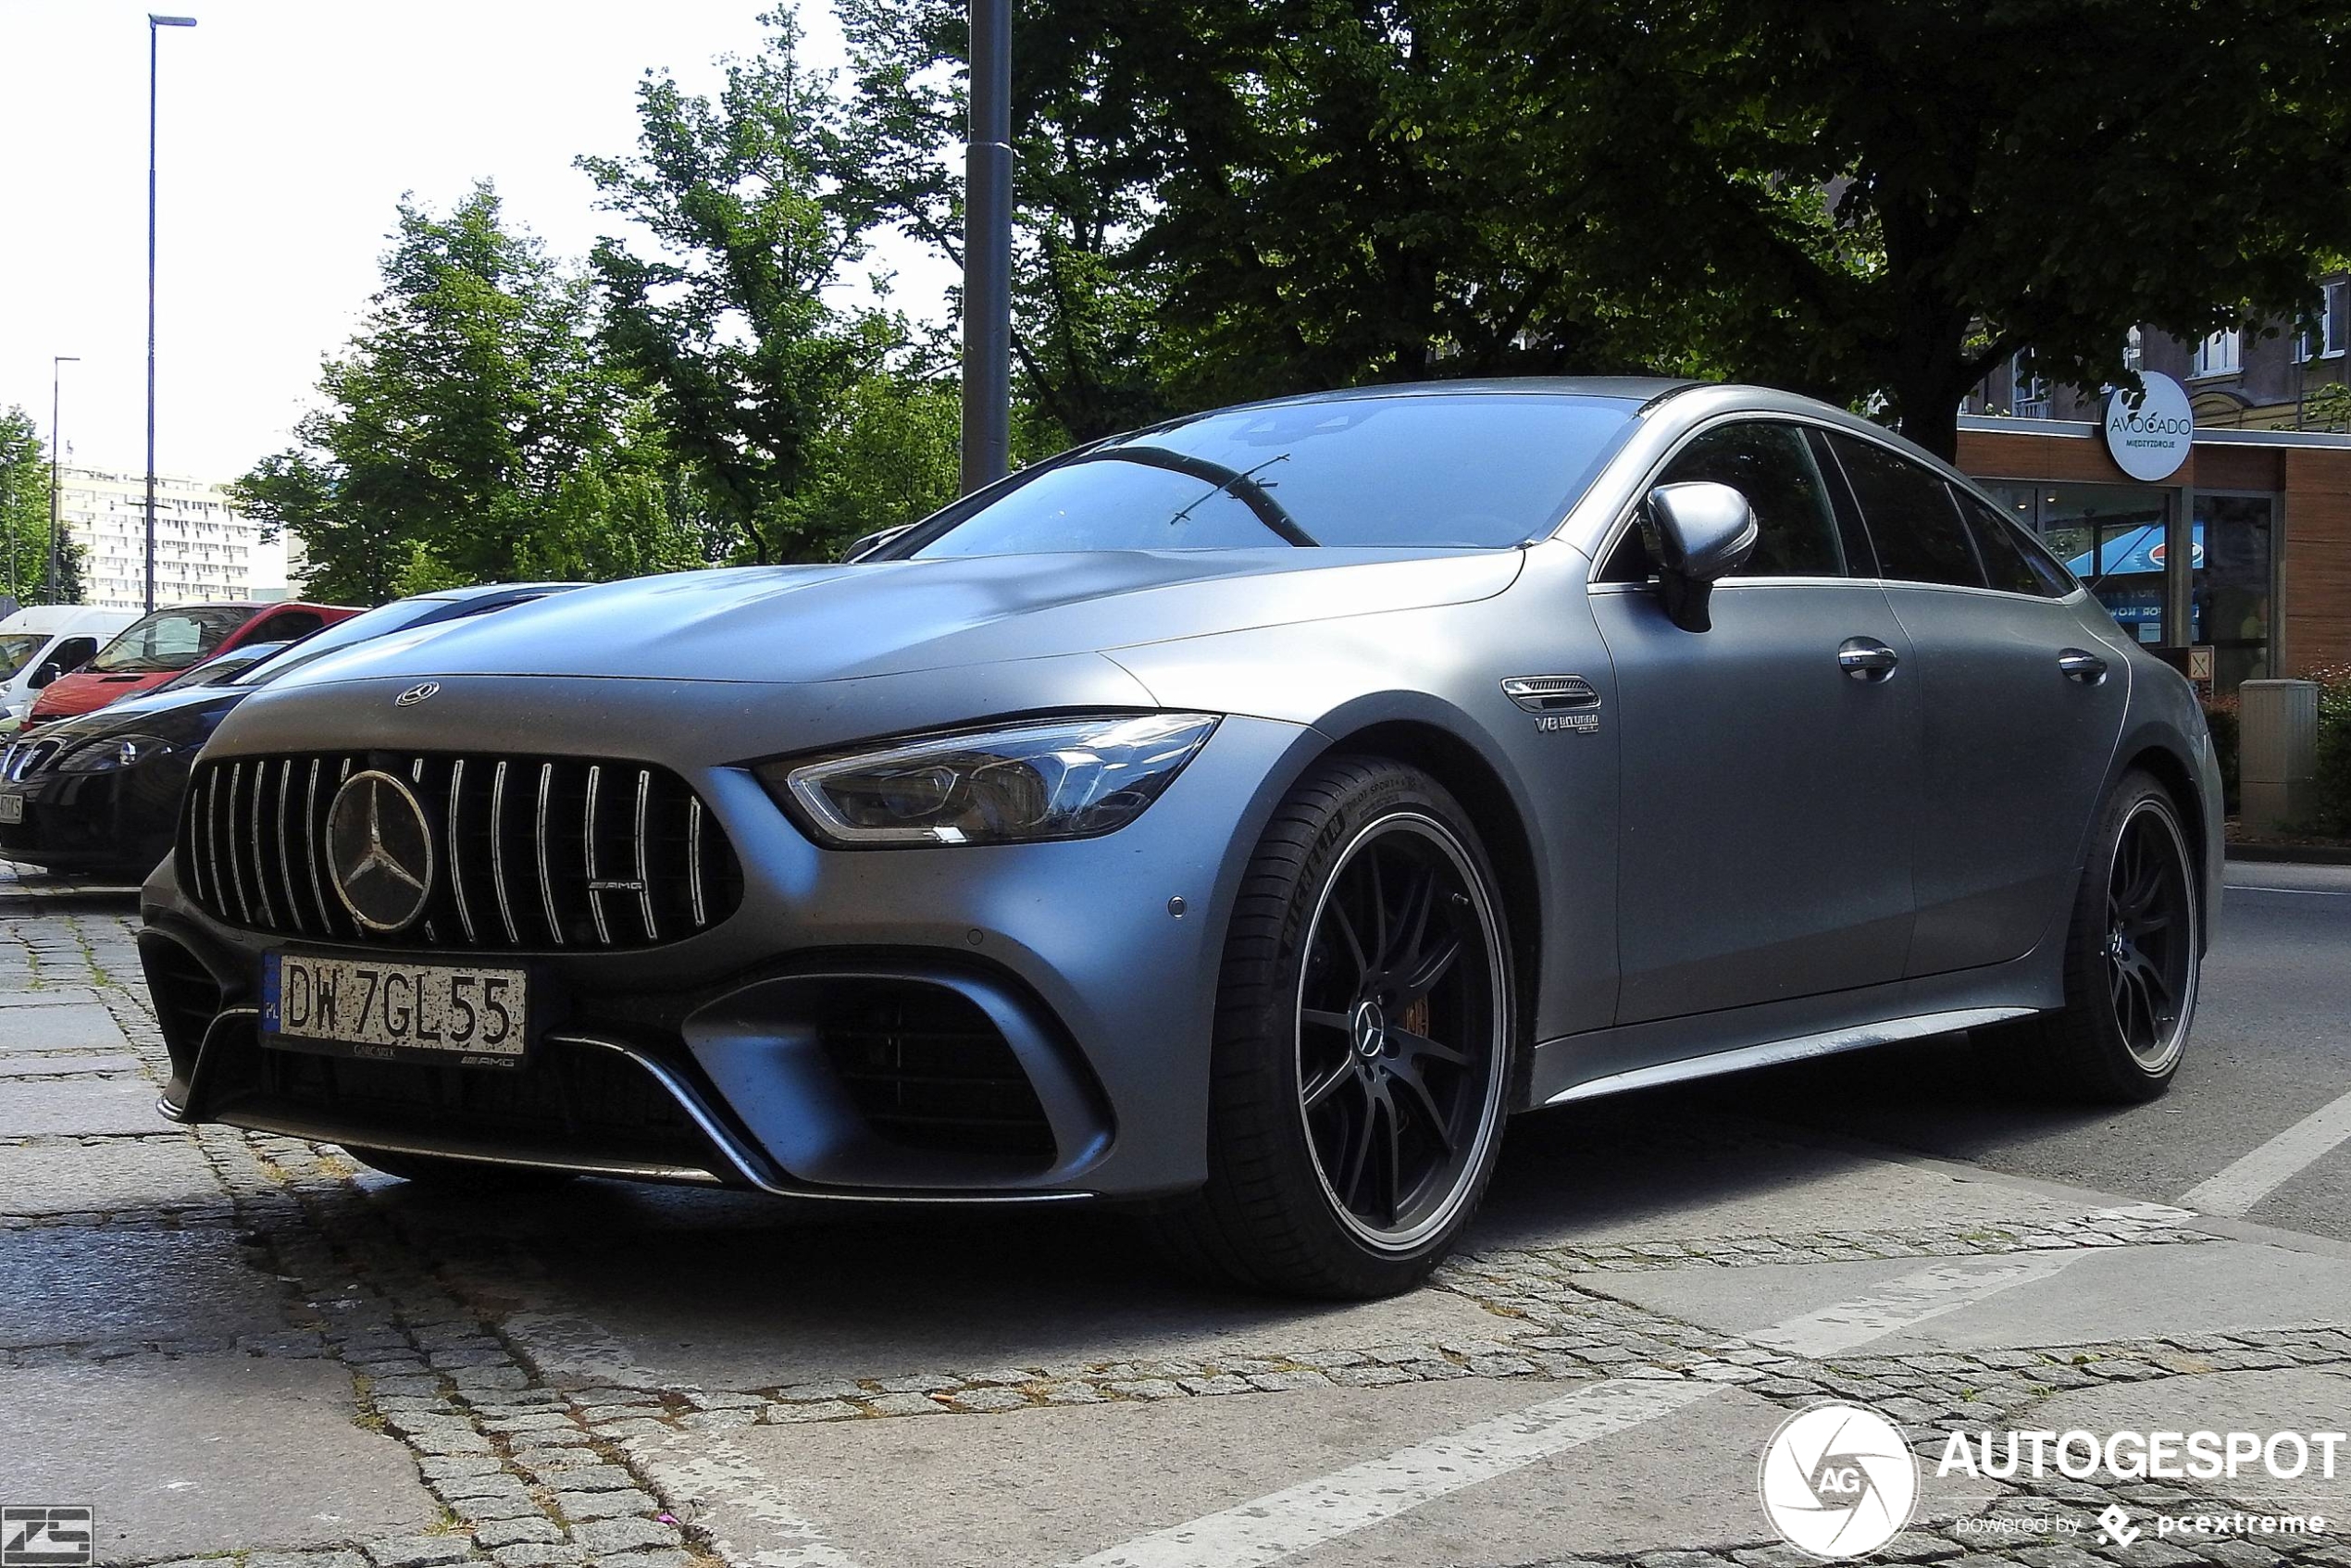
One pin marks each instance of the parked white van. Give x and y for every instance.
(44, 641)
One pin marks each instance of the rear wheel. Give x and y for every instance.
(443, 1174)
(2132, 950)
(1363, 1040)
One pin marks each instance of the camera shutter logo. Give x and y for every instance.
(46, 1535)
(1837, 1481)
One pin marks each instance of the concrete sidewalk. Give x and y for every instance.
(241, 1344)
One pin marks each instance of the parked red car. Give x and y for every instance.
(160, 644)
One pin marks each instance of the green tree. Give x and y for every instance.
(888, 452)
(1884, 201)
(24, 518)
(725, 315)
(470, 431)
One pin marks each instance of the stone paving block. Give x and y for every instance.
(418, 1551)
(605, 1536)
(68, 1286)
(55, 1064)
(13, 993)
(82, 1108)
(61, 1178)
(202, 1454)
(33, 1025)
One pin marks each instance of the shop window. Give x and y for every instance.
(2231, 596)
(2222, 353)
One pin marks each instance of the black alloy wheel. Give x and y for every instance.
(1365, 1041)
(1397, 1044)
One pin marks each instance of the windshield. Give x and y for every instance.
(212, 672)
(1474, 469)
(169, 639)
(342, 634)
(17, 651)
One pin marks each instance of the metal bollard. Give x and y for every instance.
(2277, 751)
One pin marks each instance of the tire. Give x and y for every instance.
(442, 1173)
(1364, 1049)
(2133, 945)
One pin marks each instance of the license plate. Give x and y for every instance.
(475, 1016)
(11, 808)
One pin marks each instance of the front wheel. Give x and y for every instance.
(1363, 1040)
(2132, 950)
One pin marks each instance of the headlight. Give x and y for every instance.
(121, 751)
(1052, 778)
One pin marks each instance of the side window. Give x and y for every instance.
(72, 653)
(1770, 464)
(2014, 562)
(1919, 535)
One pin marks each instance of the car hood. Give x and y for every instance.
(894, 617)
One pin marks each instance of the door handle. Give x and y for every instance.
(2077, 665)
(1865, 658)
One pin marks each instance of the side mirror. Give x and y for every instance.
(1704, 532)
(873, 542)
(47, 674)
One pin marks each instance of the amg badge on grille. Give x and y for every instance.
(380, 851)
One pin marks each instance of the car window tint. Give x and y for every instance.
(1918, 532)
(1770, 464)
(291, 624)
(2014, 560)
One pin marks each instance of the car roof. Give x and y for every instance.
(1629, 388)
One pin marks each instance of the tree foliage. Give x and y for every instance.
(470, 431)
(24, 519)
(725, 315)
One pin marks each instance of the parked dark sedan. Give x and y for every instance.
(1242, 816)
(101, 792)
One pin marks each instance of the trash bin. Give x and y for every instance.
(2277, 751)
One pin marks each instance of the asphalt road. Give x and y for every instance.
(2272, 1045)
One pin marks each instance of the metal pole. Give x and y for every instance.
(988, 249)
(155, 22)
(153, 33)
(56, 449)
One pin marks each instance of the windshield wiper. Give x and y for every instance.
(1247, 490)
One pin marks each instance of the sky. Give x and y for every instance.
(289, 131)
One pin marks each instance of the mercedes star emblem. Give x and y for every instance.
(379, 851)
(416, 695)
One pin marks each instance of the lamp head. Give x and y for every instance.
(155, 20)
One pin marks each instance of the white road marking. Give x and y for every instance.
(1906, 1302)
(1269, 1529)
(1306, 1516)
(720, 1486)
(2253, 1178)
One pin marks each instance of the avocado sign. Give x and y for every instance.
(2150, 441)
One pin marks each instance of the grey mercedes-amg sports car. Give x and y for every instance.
(1243, 815)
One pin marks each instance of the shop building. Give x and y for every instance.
(2235, 562)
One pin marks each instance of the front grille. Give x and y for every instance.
(928, 1070)
(529, 853)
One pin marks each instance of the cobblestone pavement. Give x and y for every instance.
(237, 1344)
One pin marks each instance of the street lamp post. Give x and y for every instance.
(57, 447)
(155, 23)
(988, 249)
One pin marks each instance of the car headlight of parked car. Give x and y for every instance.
(1042, 780)
(119, 750)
